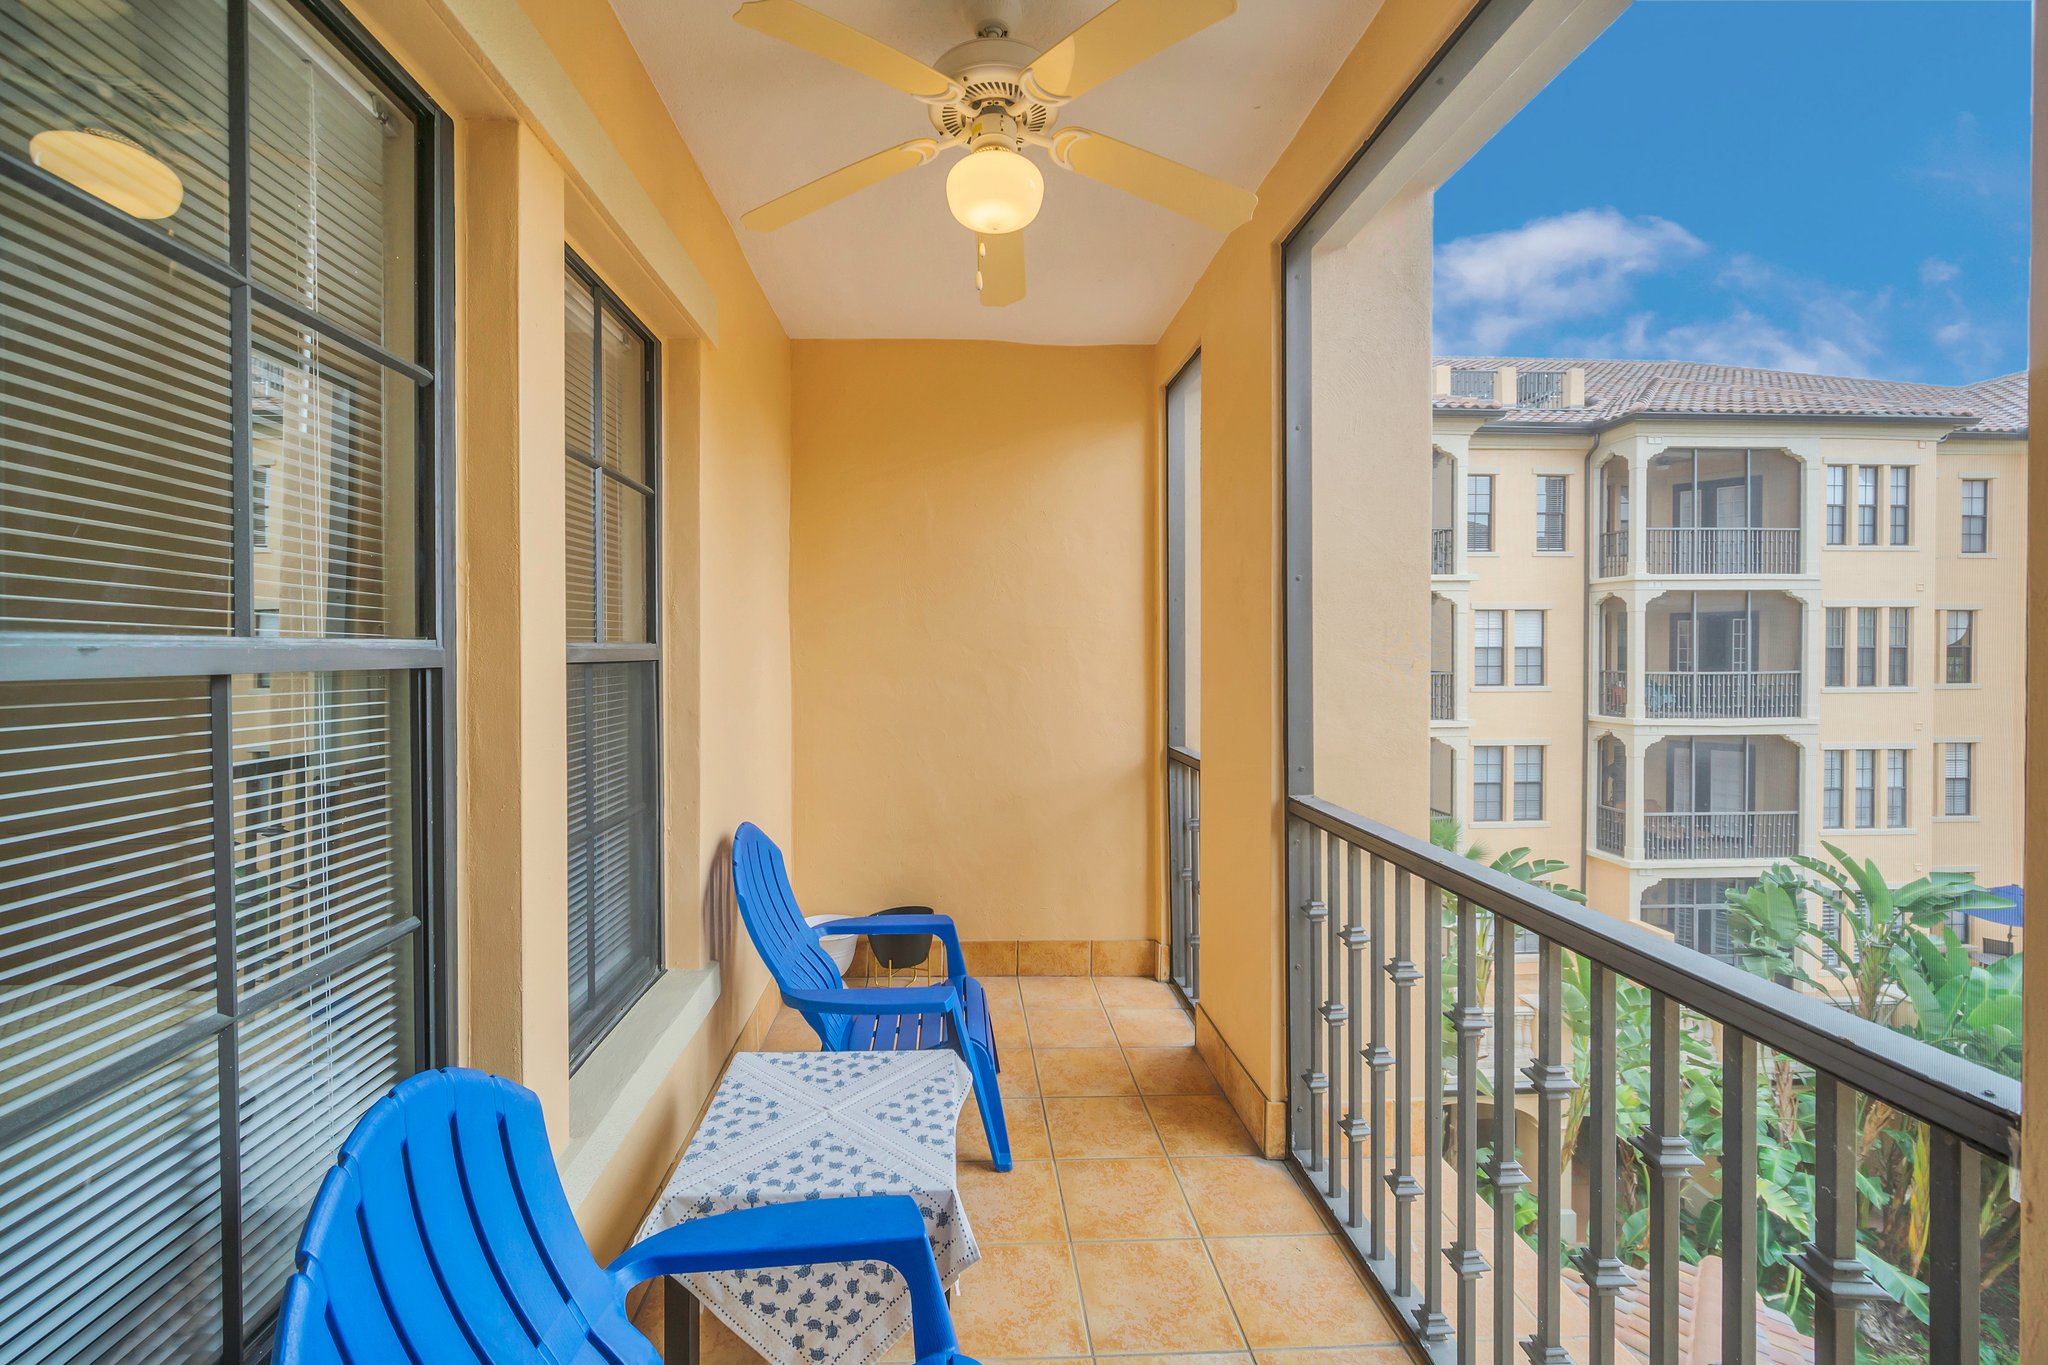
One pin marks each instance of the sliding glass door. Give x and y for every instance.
(223, 671)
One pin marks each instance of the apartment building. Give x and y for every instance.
(1689, 620)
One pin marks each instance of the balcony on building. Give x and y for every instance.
(1718, 655)
(1710, 798)
(1443, 510)
(1703, 510)
(1443, 653)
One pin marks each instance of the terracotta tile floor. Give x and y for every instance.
(1138, 1223)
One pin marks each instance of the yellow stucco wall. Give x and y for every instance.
(975, 541)
(1233, 317)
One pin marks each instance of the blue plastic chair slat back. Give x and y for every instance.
(794, 951)
(445, 1233)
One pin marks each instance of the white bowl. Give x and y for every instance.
(841, 946)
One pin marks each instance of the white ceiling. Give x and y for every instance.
(763, 117)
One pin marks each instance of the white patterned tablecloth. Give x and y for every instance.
(788, 1126)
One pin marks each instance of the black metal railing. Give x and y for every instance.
(1724, 549)
(1184, 869)
(1721, 834)
(1610, 829)
(1443, 700)
(1375, 914)
(1440, 550)
(1613, 553)
(1771, 694)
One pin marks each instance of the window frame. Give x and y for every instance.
(1951, 777)
(1531, 661)
(1982, 516)
(603, 1013)
(1553, 493)
(1899, 647)
(1526, 754)
(1836, 516)
(422, 666)
(1489, 672)
(1900, 505)
(1478, 516)
(1834, 647)
(1866, 504)
(1496, 786)
(1959, 647)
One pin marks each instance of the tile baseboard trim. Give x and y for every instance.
(1265, 1119)
(1140, 957)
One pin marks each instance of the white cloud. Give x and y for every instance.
(1936, 271)
(1495, 286)
(1745, 337)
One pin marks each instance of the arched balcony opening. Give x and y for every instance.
(1610, 812)
(1443, 654)
(1443, 781)
(1708, 797)
(1723, 511)
(1443, 511)
(1614, 644)
(1614, 510)
(1722, 656)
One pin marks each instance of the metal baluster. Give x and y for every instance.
(1955, 1254)
(1194, 921)
(1380, 1059)
(1841, 1286)
(1401, 971)
(1176, 833)
(1358, 1125)
(1469, 1021)
(1336, 1014)
(1738, 1199)
(1669, 1156)
(1602, 1270)
(1315, 1078)
(1430, 1321)
(1508, 1175)
(1553, 1082)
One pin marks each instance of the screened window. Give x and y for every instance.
(1838, 504)
(1976, 516)
(1487, 777)
(1958, 763)
(1529, 649)
(1895, 788)
(609, 473)
(1550, 511)
(1899, 666)
(1528, 782)
(1866, 504)
(1489, 639)
(1959, 652)
(1479, 511)
(1837, 635)
(1901, 506)
(220, 444)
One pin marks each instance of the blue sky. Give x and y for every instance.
(1827, 185)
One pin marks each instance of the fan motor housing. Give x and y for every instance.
(989, 70)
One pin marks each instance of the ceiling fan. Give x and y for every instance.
(996, 96)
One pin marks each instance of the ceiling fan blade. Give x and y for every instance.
(827, 189)
(802, 26)
(1118, 39)
(1148, 175)
(999, 267)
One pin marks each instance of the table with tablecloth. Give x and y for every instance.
(788, 1126)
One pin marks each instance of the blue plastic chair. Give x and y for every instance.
(442, 1237)
(883, 1019)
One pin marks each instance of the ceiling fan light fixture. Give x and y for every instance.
(109, 167)
(994, 190)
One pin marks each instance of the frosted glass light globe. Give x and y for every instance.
(109, 167)
(994, 190)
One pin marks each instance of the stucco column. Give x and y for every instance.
(1458, 566)
(513, 792)
(1461, 657)
(1638, 658)
(1636, 759)
(1638, 509)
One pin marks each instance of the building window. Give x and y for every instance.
(1486, 782)
(1528, 781)
(1550, 511)
(1976, 516)
(1838, 504)
(222, 438)
(1835, 674)
(259, 507)
(1899, 673)
(611, 470)
(1866, 646)
(1895, 788)
(1488, 642)
(1866, 504)
(1694, 911)
(1479, 512)
(1866, 788)
(1902, 504)
(1960, 648)
(1831, 788)
(1528, 649)
(1958, 762)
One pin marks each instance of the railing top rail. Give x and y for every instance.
(1187, 758)
(1972, 1101)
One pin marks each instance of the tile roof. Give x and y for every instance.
(1617, 390)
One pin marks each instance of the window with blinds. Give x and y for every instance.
(610, 468)
(223, 741)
